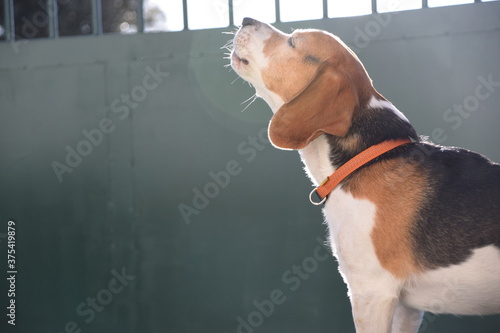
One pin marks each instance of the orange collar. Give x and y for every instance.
(324, 189)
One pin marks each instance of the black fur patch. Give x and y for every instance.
(371, 127)
(462, 212)
(461, 207)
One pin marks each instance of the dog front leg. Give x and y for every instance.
(406, 320)
(373, 313)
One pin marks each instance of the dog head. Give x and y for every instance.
(311, 80)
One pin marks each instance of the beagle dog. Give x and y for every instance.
(415, 227)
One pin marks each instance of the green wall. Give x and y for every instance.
(102, 245)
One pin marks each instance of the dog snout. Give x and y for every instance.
(249, 21)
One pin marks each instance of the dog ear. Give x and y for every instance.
(326, 105)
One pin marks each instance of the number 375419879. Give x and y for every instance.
(11, 245)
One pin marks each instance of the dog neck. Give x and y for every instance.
(370, 126)
(375, 123)
(274, 101)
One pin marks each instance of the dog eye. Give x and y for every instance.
(291, 42)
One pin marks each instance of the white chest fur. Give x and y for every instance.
(350, 220)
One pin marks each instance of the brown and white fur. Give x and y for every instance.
(417, 229)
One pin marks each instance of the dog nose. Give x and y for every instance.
(249, 21)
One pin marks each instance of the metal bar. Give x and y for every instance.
(96, 17)
(425, 4)
(185, 14)
(10, 30)
(231, 13)
(139, 20)
(53, 19)
(277, 6)
(374, 7)
(325, 9)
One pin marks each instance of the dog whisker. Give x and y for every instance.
(227, 45)
(251, 99)
(229, 42)
(235, 79)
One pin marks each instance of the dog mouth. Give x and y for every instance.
(239, 60)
